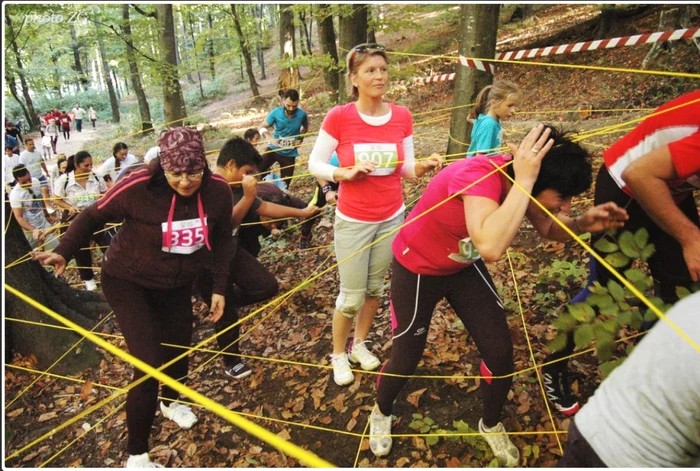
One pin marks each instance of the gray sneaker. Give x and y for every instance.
(379, 433)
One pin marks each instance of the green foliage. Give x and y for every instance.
(561, 270)
(609, 308)
(424, 424)
(463, 432)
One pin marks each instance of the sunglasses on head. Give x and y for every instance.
(369, 47)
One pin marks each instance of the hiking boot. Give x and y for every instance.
(558, 389)
(360, 354)
(305, 242)
(238, 371)
(503, 449)
(181, 414)
(342, 374)
(379, 433)
(141, 461)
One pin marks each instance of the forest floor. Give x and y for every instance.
(291, 392)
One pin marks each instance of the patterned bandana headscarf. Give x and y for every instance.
(182, 150)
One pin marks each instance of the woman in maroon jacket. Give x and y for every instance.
(177, 222)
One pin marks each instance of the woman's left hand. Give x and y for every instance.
(217, 307)
(604, 216)
(435, 161)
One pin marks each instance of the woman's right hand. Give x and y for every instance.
(50, 258)
(528, 156)
(359, 171)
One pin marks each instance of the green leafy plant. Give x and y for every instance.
(424, 424)
(462, 431)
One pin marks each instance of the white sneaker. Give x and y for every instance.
(180, 414)
(360, 354)
(379, 433)
(342, 374)
(90, 285)
(141, 461)
(503, 449)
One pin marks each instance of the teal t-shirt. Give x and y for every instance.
(486, 136)
(287, 129)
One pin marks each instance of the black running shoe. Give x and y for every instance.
(558, 389)
(238, 371)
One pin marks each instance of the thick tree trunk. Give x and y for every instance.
(173, 101)
(210, 48)
(46, 344)
(113, 100)
(371, 26)
(12, 85)
(243, 43)
(30, 112)
(478, 30)
(134, 75)
(353, 31)
(289, 77)
(326, 37)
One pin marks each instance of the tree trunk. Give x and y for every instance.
(30, 112)
(478, 30)
(353, 31)
(77, 64)
(289, 77)
(371, 26)
(82, 307)
(173, 101)
(326, 37)
(12, 85)
(134, 75)
(113, 100)
(309, 31)
(259, 15)
(194, 55)
(210, 48)
(243, 43)
(302, 39)
(186, 55)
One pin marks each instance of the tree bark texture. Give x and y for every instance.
(326, 37)
(353, 31)
(134, 75)
(173, 101)
(46, 344)
(29, 110)
(243, 43)
(113, 100)
(210, 48)
(289, 77)
(478, 30)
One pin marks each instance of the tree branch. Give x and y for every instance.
(120, 36)
(144, 13)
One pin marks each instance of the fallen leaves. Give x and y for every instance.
(47, 416)
(414, 397)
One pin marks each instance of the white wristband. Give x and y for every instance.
(262, 131)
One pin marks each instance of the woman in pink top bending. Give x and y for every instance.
(374, 143)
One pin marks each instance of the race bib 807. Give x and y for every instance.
(386, 156)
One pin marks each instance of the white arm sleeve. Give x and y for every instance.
(320, 156)
(409, 165)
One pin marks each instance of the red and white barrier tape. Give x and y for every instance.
(660, 36)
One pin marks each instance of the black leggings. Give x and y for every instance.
(286, 165)
(249, 283)
(149, 317)
(472, 295)
(667, 264)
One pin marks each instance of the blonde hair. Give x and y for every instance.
(355, 59)
(497, 92)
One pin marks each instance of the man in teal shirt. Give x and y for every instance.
(290, 123)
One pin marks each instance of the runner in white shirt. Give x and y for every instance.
(114, 166)
(28, 208)
(31, 158)
(79, 114)
(10, 161)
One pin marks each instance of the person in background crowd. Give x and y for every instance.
(12, 143)
(31, 158)
(14, 131)
(42, 123)
(46, 147)
(78, 114)
(646, 414)
(374, 143)
(290, 122)
(177, 223)
(75, 191)
(252, 135)
(154, 151)
(52, 132)
(114, 166)
(57, 171)
(10, 161)
(28, 209)
(65, 121)
(326, 193)
(92, 116)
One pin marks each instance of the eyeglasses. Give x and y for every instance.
(192, 177)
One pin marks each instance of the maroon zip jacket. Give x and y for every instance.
(136, 253)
